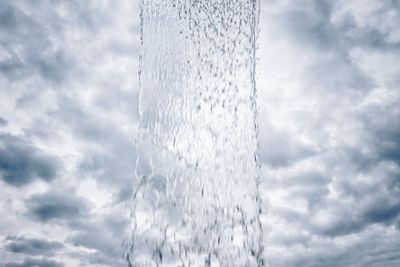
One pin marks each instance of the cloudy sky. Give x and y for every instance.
(329, 117)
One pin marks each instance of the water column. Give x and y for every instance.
(196, 200)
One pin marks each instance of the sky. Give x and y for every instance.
(328, 112)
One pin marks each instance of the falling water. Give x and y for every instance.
(196, 199)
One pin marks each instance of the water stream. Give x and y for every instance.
(196, 200)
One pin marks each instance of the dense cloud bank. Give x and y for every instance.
(329, 109)
(68, 94)
(329, 119)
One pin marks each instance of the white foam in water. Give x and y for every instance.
(196, 199)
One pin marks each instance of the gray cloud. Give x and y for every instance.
(21, 162)
(3, 121)
(107, 252)
(37, 262)
(29, 48)
(32, 246)
(311, 26)
(124, 194)
(108, 246)
(51, 206)
(323, 206)
(336, 73)
(112, 155)
(278, 149)
(381, 120)
(317, 24)
(308, 24)
(382, 211)
(68, 70)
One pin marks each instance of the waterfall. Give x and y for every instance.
(196, 200)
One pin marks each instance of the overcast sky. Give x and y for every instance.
(329, 117)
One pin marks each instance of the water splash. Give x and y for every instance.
(196, 200)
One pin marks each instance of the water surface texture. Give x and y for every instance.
(196, 200)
